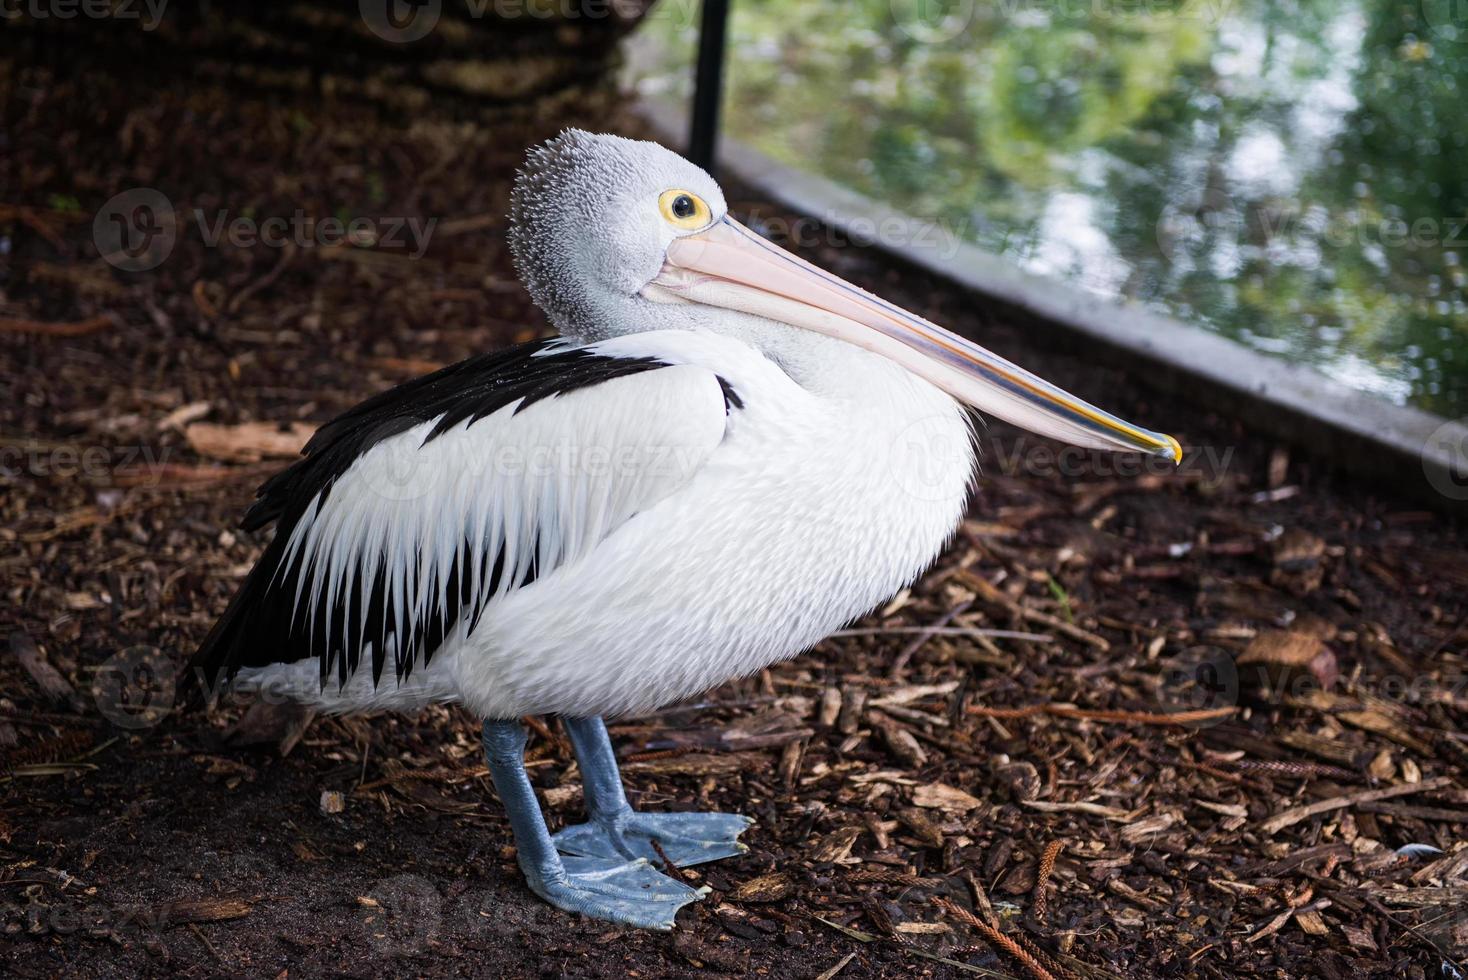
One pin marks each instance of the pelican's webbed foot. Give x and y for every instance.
(616, 831)
(613, 888)
(617, 890)
(686, 838)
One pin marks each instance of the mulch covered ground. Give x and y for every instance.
(1134, 723)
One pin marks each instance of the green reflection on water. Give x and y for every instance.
(1292, 175)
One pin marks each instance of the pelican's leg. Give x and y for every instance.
(611, 888)
(618, 831)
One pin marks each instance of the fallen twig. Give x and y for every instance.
(287, 254)
(1049, 962)
(77, 328)
(672, 869)
(838, 967)
(1047, 868)
(1293, 816)
(971, 632)
(996, 938)
(177, 475)
(1118, 717)
(991, 594)
(1294, 769)
(866, 937)
(899, 664)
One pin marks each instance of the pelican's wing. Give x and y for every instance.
(412, 511)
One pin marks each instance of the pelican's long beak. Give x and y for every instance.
(730, 266)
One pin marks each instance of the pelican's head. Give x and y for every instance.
(615, 236)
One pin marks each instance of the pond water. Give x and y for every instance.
(1293, 175)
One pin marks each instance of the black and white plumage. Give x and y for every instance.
(412, 512)
(729, 454)
(298, 604)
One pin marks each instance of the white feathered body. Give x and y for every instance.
(682, 540)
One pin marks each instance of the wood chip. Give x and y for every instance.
(1118, 887)
(1279, 657)
(1273, 926)
(765, 888)
(941, 796)
(854, 700)
(1312, 922)
(47, 677)
(922, 928)
(188, 910)
(278, 723)
(830, 707)
(921, 826)
(900, 741)
(1150, 827)
(1227, 809)
(1381, 723)
(248, 442)
(560, 797)
(183, 415)
(835, 847)
(1095, 809)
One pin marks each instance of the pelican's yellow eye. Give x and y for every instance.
(683, 209)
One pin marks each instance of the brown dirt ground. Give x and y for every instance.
(922, 759)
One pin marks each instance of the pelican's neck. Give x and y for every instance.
(824, 366)
(828, 367)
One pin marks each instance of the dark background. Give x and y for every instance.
(140, 834)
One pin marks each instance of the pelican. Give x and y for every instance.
(727, 454)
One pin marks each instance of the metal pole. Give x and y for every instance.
(708, 84)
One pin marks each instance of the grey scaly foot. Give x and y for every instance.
(616, 888)
(617, 831)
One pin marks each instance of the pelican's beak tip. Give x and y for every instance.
(1174, 449)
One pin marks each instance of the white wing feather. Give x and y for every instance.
(533, 490)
